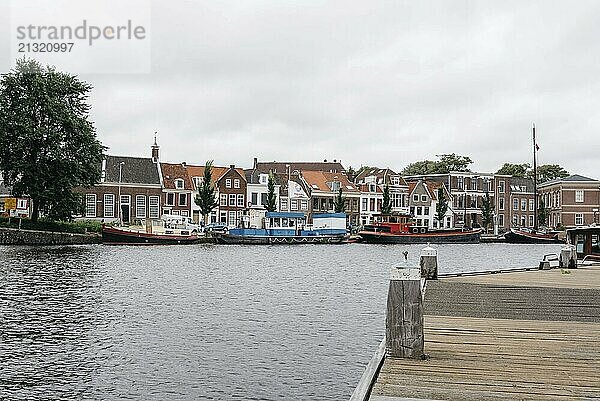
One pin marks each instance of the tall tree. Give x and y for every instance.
(548, 172)
(442, 205)
(543, 213)
(420, 168)
(48, 146)
(487, 210)
(339, 204)
(386, 207)
(445, 164)
(516, 170)
(206, 198)
(271, 204)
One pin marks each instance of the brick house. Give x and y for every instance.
(324, 188)
(515, 202)
(572, 201)
(129, 188)
(371, 183)
(230, 190)
(177, 188)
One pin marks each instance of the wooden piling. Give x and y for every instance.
(404, 320)
(429, 264)
(568, 257)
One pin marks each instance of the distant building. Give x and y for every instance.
(514, 202)
(371, 183)
(423, 202)
(324, 188)
(177, 188)
(572, 201)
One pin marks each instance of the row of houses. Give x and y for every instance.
(146, 187)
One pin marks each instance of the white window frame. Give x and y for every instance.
(501, 187)
(138, 208)
(179, 183)
(154, 207)
(516, 204)
(423, 198)
(531, 205)
(415, 197)
(232, 199)
(236, 183)
(167, 203)
(228, 183)
(523, 205)
(90, 200)
(304, 204)
(501, 203)
(294, 204)
(579, 196)
(240, 200)
(109, 205)
(179, 199)
(578, 219)
(223, 200)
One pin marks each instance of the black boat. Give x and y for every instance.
(524, 236)
(125, 236)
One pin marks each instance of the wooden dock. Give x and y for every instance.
(531, 335)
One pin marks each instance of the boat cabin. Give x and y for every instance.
(394, 224)
(586, 240)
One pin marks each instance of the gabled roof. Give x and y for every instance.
(281, 167)
(431, 187)
(217, 172)
(383, 175)
(519, 182)
(575, 178)
(135, 170)
(318, 180)
(172, 172)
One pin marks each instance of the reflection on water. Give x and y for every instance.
(203, 322)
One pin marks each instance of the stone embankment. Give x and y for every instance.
(13, 236)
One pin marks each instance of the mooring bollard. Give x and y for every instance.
(429, 264)
(568, 257)
(404, 320)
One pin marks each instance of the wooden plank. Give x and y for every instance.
(363, 390)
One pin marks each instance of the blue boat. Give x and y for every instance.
(291, 228)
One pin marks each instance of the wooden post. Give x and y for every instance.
(568, 257)
(428, 262)
(404, 320)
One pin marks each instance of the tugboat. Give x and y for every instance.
(289, 228)
(169, 230)
(399, 229)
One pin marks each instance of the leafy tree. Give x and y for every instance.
(48, 146)
(206, 198)
(487, 210)
(442, 205)
(339, 202)
(548, 172)
(543, 213)
(386, 207)
(351, 173)
(271, 204)
(516, 170)
(445, 164)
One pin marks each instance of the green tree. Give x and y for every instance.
(271, 204)
(442, 205)
(543, 213)
(420, 168)
(487, 210)
(386, 207)
(351, 173)
(339, 202)
(48, 146)
(206, 198)
(516, 170)
(445, 164)
(548, 172)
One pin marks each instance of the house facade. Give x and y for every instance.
(177, 189)
(571, 202)
(324, 188)
(423, 203)
(130, 188)
(371, 183)
(514, 202)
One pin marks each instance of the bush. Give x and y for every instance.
(77, 227)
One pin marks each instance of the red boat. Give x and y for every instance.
(399, 229)
(127, 236)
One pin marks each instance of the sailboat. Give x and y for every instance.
(535, 235)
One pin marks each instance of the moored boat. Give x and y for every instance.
(281, 228)
(399, 229)
(525, 236)
(169, 230)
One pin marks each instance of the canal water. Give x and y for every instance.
(204, 322)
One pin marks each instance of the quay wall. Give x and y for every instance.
(13, 236)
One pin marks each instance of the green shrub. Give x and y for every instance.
(76, 227)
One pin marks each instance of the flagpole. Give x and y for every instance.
(535, 194)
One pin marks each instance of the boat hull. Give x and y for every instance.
(457, 237)
(521, 237)
(115, 236)
(280, 240)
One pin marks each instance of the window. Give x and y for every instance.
(419, 210)
(426, 222)
(515, 220)
(223, 218)
(228, 183)
(232, 199)
(335, 186)
(395, 180)
(240, 200)
(423, 198)
(198, 181)
(170, 199)
(501, 186)
(175, 212)
(109, 205)
(501, 203)
(415, 198)
(530, 220)
(182, 199)
(365, 203)
(264, 178)
(474, 184)
(412, 210)
(579, 219)
(460, 182)
(232, 218)
(140, 206)
(223, 200)
(501, 220)
(372, 188)
(153, 202)
(426, 210)
(372, 205)
(531, 205)
(179, 183)
(579, 196)
(90, 205)
(254, 198)
(236, 183)
(294, 204)
(523, 221)
(304, 204)
(516, 204)
(524, 205)
(263, 199)
(284, 204)
(184, 213)
(21, 203)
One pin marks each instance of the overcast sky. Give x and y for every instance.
(380, 83)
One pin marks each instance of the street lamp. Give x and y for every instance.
(121, 164)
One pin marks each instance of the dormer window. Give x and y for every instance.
(395, 180)
(179, 183)
(372, 188)
(263, 178)
(198, 181)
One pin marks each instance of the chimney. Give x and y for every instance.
(232, 166)
(255, 162)
(155, 148)
(183, 164)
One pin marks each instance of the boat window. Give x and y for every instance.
(579, 243)
(596, 243)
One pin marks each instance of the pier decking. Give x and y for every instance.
(512, 336)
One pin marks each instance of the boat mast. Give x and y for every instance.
(535, 194)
